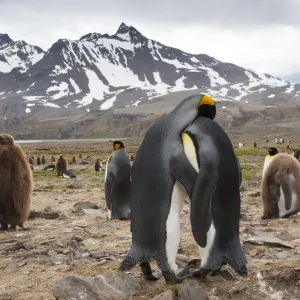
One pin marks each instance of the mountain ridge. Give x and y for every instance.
(125, 72)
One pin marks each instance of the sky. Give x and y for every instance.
(263, 35)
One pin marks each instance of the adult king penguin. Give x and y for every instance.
(216, 201)
(280, 187)
(117, 183)
(159, 170)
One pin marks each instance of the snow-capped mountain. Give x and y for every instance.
(17, 54)
(101, 71)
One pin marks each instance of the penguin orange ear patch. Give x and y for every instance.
(207, 100)
(117, 146)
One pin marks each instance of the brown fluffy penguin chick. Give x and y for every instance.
(53, 158)
(280, 187)
(61, 165)
(15, 184)
(43, 160)
(38, 160)
(31, 161)
(73, 160)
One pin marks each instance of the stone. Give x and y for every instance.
(191, 289)
(254, 194)
(168, 295)
(47, 213)
(269, 241)
(284, 235)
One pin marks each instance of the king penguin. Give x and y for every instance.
(216, 201)
(117, 183)
(280, 188)
(157, 194)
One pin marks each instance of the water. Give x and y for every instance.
(67, 140)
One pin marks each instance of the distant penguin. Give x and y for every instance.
(43, 160)
(31, 167)
(97, 165)
(61, 165)
(80, 155)
(53, 158)
(38, 160)
(255, 144)
(156, 189)
(280, 188)
(15, 184)
(31, 161)
(49, 168)
(216, 201)
(73, 160)
(117, 183)
(68, 174)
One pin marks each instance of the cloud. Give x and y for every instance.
(258, 34)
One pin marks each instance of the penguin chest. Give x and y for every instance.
(190, 151)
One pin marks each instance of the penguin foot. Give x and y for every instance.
(24, 228)
(4, 227)
(147, 272)
(172, 279)
(201, 272)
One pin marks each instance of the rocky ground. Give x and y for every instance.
(71, 235)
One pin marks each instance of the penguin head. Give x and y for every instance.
(206, 107)
(6, 139)
(272, 151)
(118, 145)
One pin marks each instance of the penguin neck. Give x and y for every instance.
(186, 112)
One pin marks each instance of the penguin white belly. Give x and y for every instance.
(204, 252)
(173, 225)
(281, 202)
(109, 213)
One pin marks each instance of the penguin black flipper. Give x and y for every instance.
(201, 202)
(109, 182)
(183, 172)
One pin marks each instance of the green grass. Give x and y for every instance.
(251, 170)
(251, 151)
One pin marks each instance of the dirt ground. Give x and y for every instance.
(72, 242)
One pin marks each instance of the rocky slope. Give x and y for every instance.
(125, 73)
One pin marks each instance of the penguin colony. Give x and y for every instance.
(173, 160)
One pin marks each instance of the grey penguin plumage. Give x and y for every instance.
(68, 174)
(280, 187)
(216, 201)
(156, 192)
(117, 183)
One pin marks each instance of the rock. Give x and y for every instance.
(283, 255)
(269, 241)
(85, 288)
(87, 207)
(98, 254)
(114, 286)
(75, 185)
(47, 213)
(285, 236)
(254, 194)
(125, 237)
(191, 289)
(168, 295)
(91, 244)
(183, 261)
(244, 187)
(121, 281)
